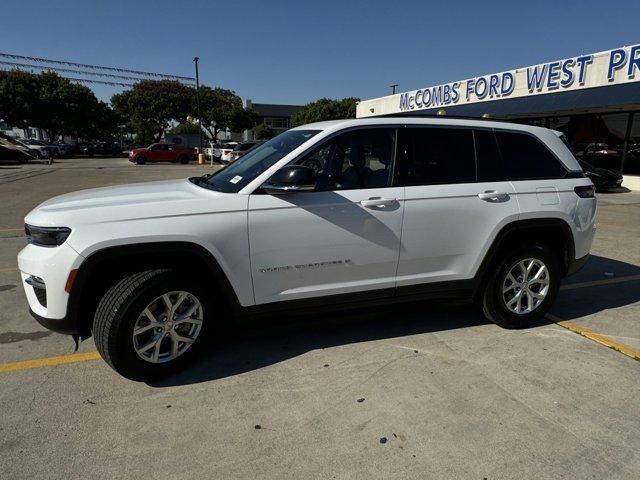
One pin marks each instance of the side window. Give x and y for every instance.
(356, 159)
(433, 156)
(490, 166)
(525, 157)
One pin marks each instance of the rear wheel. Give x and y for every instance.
(141, 160)
(522, 288)
(183, 159)
(151, 323)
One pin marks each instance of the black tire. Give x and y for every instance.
(183, 159)
(494, 305)
(119, 309)
(141, 160)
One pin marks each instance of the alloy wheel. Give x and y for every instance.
(167, 327)
(525, 286)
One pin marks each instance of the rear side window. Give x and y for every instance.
(526, 158)
(433, 156)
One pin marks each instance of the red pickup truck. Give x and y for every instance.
(162, 152)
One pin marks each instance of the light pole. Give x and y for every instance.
(393, 88)
(195, 60)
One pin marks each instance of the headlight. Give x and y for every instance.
(46, 236)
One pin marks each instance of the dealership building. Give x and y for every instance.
(593, 99)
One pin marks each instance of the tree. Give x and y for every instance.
(325, 109)
(185, 129)
(54, 104)
(225, 108)
(151, 105)
(262, 132)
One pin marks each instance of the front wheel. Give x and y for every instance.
(522, 288)
(141, 160)
(151, 323)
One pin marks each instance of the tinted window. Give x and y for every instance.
(356, 159)
(490, 167)
(432, 156)
(525, 157)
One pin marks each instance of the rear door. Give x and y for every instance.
(342, 238)
(453, 209)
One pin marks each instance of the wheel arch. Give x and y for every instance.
(553, 232)
(105, 266)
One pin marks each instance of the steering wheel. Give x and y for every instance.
(313, 163)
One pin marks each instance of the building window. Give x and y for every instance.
(277, 122)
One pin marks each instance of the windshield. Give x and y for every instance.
(237, 175)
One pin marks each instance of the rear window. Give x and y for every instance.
(527, 158)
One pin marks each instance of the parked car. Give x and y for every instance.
(599, 154)
(603, 178)
(242, 148)
(102, 148)
(65, 149)
(225, 151)
(163, 152)
(14, 144)
(41, 149)
(371, 210)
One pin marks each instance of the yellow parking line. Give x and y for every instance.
(12, 229)
(596, 337)
(49, 362)
(595, 283)
(9, 269)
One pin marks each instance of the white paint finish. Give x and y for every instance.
(52, 265)
(297, 229)
(171, 211)
(547, 196)
(595, 76)
(448, 228)
(566, 209)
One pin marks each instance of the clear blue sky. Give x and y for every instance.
(296, 51)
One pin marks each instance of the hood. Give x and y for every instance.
(137, 150)
(128, 202)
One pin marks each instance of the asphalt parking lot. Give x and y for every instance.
(418, 391)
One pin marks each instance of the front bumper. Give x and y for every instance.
(51, 267)
(60, 325)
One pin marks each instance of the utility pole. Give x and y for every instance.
(393, 88)
(195, 60)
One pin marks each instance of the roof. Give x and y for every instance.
(274, 110)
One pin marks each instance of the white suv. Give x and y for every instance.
(372, 210)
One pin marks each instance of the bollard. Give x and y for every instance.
(201, 159)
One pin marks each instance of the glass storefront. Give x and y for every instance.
(609, 140)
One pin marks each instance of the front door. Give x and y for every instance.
(343, 237)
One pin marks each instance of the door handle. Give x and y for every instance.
(493, 196)
(377, 202)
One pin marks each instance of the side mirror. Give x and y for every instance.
(291, 178)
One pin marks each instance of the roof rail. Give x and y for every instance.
(433, 115)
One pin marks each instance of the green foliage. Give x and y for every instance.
(225, 108)
(151, 105)
(262, 132)
(55, 104)
(325, 109)
(185, 129)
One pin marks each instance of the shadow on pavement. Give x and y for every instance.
(268, 340)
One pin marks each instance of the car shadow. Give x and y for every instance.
(261, 342)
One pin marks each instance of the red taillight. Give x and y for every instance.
(585, 191)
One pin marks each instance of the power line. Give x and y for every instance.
(70, 70)
(90, 80)
(94, 67)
